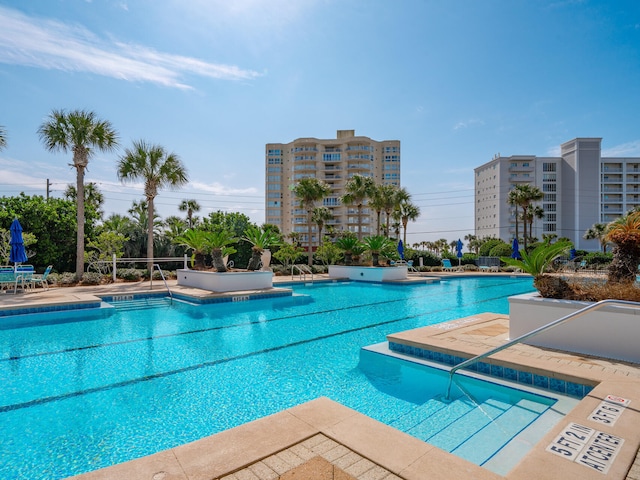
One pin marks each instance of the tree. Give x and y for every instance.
(261, 240)
(197, 241)
(378, 245)
(319, 216)
(50, 221)
(309, 190)
(393, 197)
(189, 206)
(81, 132)
(624, 233)
(351, 246)
(357, 190)
(220, 247)
(598, 231)
(236, 223)
(158, 169)
(524, 196)
(408, 211)
(3, 138)
(93, 201)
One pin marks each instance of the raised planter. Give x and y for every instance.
(368, 274)
(225, 282)
(611, 332)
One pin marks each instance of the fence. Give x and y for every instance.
(488, 262)
(103, 266)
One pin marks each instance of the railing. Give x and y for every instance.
(155, 265)
(532, 333)
(303, 270)
(103, 266)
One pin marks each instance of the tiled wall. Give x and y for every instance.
(571, 389)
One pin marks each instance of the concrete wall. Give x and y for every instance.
(368, 274)
(611, 332)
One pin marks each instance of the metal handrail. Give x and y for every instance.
(303, 270)
(532, 333)
(163, 279)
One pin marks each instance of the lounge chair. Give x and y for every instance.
(447, 267)
(40, 279)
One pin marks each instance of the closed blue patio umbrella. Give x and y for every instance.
(459, 251)
(401, 250)
(17, 253)
(515, 249)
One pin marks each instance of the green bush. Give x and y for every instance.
(501, 250)
(598, 258)
(485, 249)
(130, 275)
(92, 278)
(65, 279)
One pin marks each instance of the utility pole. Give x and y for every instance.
(48, 186)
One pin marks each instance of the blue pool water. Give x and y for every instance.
(82, 391)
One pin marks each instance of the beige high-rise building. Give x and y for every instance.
(580, 188)
(333, 161)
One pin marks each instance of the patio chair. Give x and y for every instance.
(40, 279)
(446, 265)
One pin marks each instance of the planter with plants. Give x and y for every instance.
(610, 332)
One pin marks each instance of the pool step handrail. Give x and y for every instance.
(303, 271)
(156, 265)
(533, 333)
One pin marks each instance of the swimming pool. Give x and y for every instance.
(85, 392)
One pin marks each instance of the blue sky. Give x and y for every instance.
(215, 80)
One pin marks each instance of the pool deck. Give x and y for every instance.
(322, 439)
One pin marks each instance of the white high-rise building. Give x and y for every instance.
(333, 161)
(580, 188)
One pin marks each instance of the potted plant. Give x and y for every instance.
(351, 246)
(261, 239)
(198, 241)
(219, 243)
(378, 245)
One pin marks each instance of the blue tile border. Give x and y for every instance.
(552, 384)
(48, 308)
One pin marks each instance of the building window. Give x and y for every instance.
(548, 187)
(548, 167)
(549, 227)
(274, 178)
(275, 152)
(274, 161)
(549, 197)
(331, 157)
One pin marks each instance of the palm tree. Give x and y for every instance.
(93, 197)
(625, 234)
(219, 242)
(524, 196)
(408, 211)
(534, 212)
(598, 231)
(377, 202)
(78, 131)
(393, 197)
(350, 246)
(3, 138)
(309, 190)
(357, 190)
(260, 239)
(158, 169)
(197, 241)
(378, 245)
(189, 206)
(319, 216)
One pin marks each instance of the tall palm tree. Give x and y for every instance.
(158, 169)
(189, 206)
(598, 231)
(377, 203)
(357, 190)
(319, 216)
(534, 212)
(513, 199)
(81, 132)
(310, 190)
(390, 198)
(3, 138)
(408, 211)
(524, 196)
(93, 197)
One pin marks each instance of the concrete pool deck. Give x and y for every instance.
(323, 439)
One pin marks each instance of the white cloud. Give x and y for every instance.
(50, 44)
(220, 189)
(629, 149)
(468, 123)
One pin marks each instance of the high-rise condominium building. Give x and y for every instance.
(580, 188)
(333, 161)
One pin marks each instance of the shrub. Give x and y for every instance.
(598, 258)
(92, 278)
(65, 279)
(130, 275)
(485, 249)
(501, 250)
